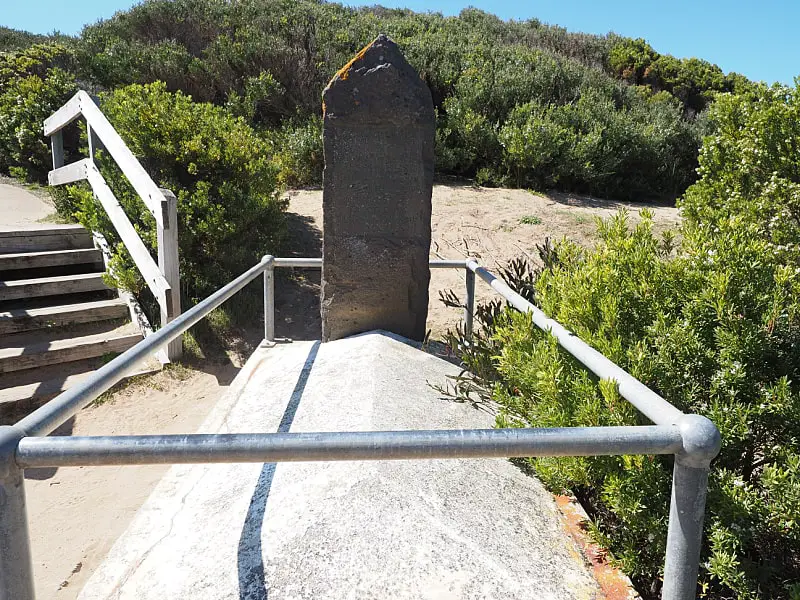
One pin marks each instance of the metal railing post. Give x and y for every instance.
(269, 298)
(469, 305)
(16, 568)
(701, 443)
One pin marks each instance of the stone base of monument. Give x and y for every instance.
(390, 529)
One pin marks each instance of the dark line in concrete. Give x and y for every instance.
(249, 558)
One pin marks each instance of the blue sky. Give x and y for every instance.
(758, 38)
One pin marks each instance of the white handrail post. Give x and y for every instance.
(57, 147)
(94, 141)
(169, 266)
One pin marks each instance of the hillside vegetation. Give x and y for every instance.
(711, 323)
(519, 103)
(221, 100)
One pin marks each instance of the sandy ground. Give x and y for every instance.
(21, 208)
(494, 225)
(76, 514)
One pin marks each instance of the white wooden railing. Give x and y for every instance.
(163, 278)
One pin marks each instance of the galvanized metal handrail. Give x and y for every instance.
(693, 439)
(48, 417)
(650, 404)
(70, 451)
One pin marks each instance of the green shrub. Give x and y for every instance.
(261, 99)
(494, 84)
(712, 325)
(536, 146)
(14, 39)
(33, 85)
(749, 171)
(298, 153)
(639, 151)
(36, 60)
(466, 141)
(222, 172)
(693, 81)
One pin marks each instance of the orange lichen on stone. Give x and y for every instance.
(614, 584)
(344, 72)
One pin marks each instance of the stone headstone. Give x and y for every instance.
(379, 128)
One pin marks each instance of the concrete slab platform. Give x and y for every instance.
(392, 529)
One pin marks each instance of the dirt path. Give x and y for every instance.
(21, 208)
(492, 224)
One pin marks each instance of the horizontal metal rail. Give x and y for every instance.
(316, 263)
(448, 264)
(310, 263)
(338, 446)
(650, 404)
(48, 417)
(693, 439)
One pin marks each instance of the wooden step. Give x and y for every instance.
(54, 237)
(41, 353)
(16, 401)
(52, 258)
(52, 286)
(14, 321)
(20, 399)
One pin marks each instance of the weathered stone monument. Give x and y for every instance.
(379, 128)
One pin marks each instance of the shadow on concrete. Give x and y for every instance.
(249, 558)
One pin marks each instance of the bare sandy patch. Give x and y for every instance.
(77, 513)
(492, 224)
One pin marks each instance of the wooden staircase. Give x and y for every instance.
(58, 320)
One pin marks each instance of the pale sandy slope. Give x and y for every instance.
(77, 513)
(21, 208)
(494, 225)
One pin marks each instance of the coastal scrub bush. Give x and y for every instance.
(528, 118)
(493, 82)
(15, 39)
(34, 83)
(694, 82)
(713, 325)
(222, 172)
(298, 152)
